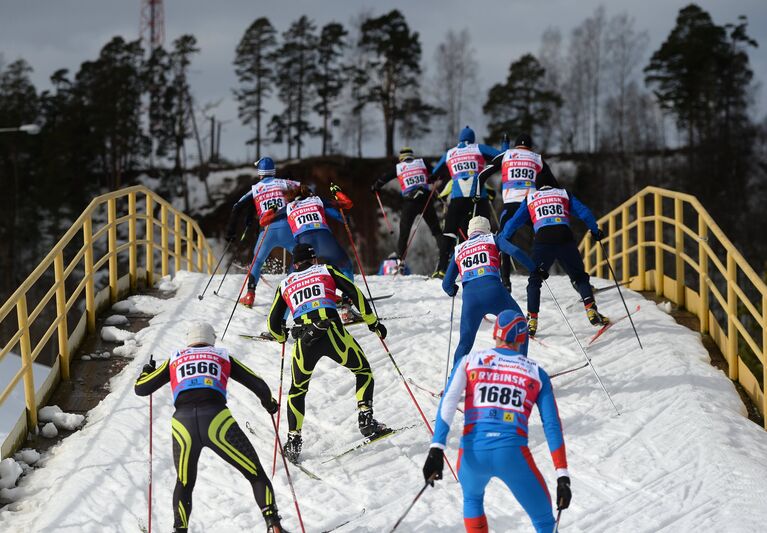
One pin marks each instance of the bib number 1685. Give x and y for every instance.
(500, 395)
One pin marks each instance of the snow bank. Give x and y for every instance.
(113, 334)
(47, 413)
(27, 455)
(116, 320)
(10, 471)
(68, 421)
(49, 430)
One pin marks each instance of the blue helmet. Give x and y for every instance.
(510, 327)
(466, 135)
(265, 166)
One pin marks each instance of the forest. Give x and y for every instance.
(684, 119)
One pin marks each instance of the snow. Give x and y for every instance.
(49, 430)
(681, 457)
(27, 456)
(113, 334)
(116, 320)
(14, 405)
(665, 307)
(48, 413)
(10, 471)
(68, 421)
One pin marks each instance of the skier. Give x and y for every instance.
(265, 195)
(521, 169)
(309, 294)
(413, 175)
(392, 265)
(462, 165)
(501, 387)
(306, 214)
(549, 209)
(198, 376)
(477, 260)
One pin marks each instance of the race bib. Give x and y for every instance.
(196, 368)
(309, 290)
(478, 257)
(548, 208)
(412, 175)
(306, 214)
(270, 194)
(518, 171)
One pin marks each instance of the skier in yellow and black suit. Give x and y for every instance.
(310, 294)
(198, 376)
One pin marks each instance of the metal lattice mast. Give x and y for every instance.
(152, 28)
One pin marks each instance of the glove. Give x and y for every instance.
(271, 406)
(563, 493)
(453, 290)
(375, 187)
(283, 333)
(344, 202)
(476, 199)
(150, 367)
(435, 462)
(378, 328)
(230, 237)
(598, 234)
(267, 217)
(541, 272)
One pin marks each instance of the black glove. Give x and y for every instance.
(541, 272)
(271, 406)
(476, 199)
(453, 290)
(435, 462)
(334, 189)
(598, 234)
(378, 328)
(230, 237)
(375, 187)
(563, 493)
(150, 367)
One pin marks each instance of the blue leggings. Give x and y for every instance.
(514, 465)
(481, 296)
(277, 236)
(569, 257)
(328, 250)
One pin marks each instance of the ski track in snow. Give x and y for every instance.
(680, 457)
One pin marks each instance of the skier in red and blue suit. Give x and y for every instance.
(265, 195)
(501, 387)
(549, 209)
(478, 261)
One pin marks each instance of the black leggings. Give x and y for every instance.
(340, 346)
(212, 425)
(411, 208)
(459, 212)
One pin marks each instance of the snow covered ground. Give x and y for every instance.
(680, 457)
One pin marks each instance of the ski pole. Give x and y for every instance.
(588, 361)
(279, 410)
(149, 512)
(201, 296)
(244, 282)
(559, 515)
(380, 204)
(449, 343)
(231, 260)
(401, 518)
(356, 255)
(412, 397)
(287, 473)
(612, 273)
(417, 222)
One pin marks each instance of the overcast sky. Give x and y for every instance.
(52, 34)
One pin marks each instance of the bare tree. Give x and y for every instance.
(454, 83)
(355, 125)
(573, 123)
(550, 58)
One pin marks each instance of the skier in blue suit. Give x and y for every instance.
(478, 262)
(501, 387)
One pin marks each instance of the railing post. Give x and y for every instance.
(149, 241)
(164, 239)
(732, 316)
(641, 265)
(764, 358)
(625, 244)
(111, 220)
(189, 242)
(611, 241)
(211, 261)
(26, 360)
(176, 242)
(61, 313)
(132, 267)
(200, 264)
(90, 296)
(586, 254)
(702, 274)
(679, 249)
(599, 261)
(657, 214)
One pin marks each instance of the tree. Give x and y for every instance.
(550, 58)
(255, 72)
(455, 81)
(354, 123)
(157, 72)
(328, 78)
(296, 62)
(520, 104)
(415, 117)
(395, 54)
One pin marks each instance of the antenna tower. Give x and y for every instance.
(152, 23)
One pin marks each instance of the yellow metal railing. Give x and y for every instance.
(666, 241)
(103, 240)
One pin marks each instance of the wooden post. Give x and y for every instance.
(199, 253)
(189, 243)
(176, 242)
(732, 316)
(625, 245)
(132, 262)
(164, 239)
(90, 296)
(641, 237)
(26, 360)
(702, 274)
(599, 261)
(764, 358)
(61, 314)
(149, 241)
(657, 214)
(112, 247)
(611, 242)
(679, 249)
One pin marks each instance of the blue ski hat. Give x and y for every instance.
(265, 166)
(510, 327)
(466, 135)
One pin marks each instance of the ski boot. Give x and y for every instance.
(292, 448)
(272, 520)
(247, 300)
(369, 426)
(532, 324)
(595, 317)
(438, 274)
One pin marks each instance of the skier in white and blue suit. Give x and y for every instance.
(478, 261)
(501, 387)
